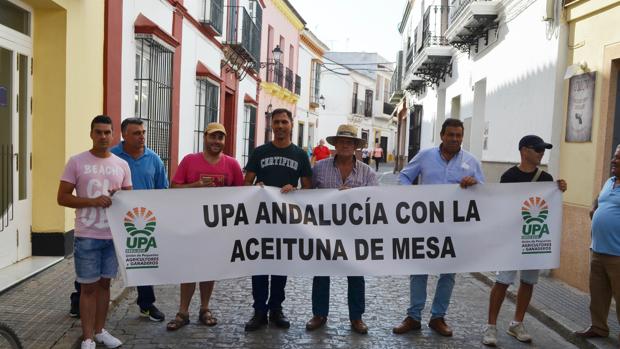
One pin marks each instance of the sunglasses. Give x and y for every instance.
(538, 150)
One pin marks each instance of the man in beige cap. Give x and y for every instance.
(209, 168)
(343, 171)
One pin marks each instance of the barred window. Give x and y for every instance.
(249, 130)
(153, 95)
(207, 98)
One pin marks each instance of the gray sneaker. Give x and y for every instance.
(518, 331)
(490, 336)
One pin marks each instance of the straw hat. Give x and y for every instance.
(347, 131)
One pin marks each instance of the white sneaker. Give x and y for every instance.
(107, 339)
(518, 331)
(490, 336)
(88, 344)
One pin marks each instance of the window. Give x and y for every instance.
(355, 108)
(249, 130)
(14, 17)
(300, 134)
(153, 94)
(368, 103)
(315, 83)
(207, 97)
(213, 14)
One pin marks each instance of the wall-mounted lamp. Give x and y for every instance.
(322, 101)
(277, 54)
(576, 69)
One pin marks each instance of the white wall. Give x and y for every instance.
(519, 66)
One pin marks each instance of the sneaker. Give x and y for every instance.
(75, 310)
(278, 318)
(153, 313)
(518, 331)
(256, 322)
(490, 336)
(107, 339)
(88, 344)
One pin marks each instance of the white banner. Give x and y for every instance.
(184, 235)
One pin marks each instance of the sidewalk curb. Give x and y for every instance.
(73, 337)
(543, 317)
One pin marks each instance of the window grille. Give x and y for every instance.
(153, 94)
(207, 98)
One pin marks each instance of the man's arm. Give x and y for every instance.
(594, 207)
(66, 198)
(306, 182)
(249, 178)
(196, 184)
(411, 171)
(161, 178)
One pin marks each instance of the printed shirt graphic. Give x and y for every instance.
(194, 167)
(278, 167)
(93, 177)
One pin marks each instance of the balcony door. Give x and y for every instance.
(15, 135)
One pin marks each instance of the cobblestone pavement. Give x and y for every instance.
(386, 301)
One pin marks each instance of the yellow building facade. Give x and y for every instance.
(593, 47)
(57, 48)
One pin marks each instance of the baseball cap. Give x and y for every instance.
(533, 141)
(215, 127)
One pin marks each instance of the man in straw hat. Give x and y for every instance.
(343, 171)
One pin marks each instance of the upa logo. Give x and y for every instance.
(534, 212)
(140, 224)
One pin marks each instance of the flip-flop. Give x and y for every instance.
(179, 321)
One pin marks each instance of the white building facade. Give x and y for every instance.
(309, 105)
(355, 86)
(495, 65)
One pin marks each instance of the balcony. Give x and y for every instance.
(433, 57)
(396, 90)
(242, 35)
(275, 74)
(212, 16)
(416, 86)
(297, 84)
(288, 80)
(470, 21)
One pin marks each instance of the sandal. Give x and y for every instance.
(179, 321)
(206, 317)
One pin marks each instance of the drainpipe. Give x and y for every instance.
(550, 11)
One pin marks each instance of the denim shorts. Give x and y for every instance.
(94, 259)
(508, 277)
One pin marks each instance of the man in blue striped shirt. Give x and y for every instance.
(445, 164)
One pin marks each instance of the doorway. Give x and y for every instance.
(15, 139)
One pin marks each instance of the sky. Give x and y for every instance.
(355, 25)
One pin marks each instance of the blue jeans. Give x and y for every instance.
(260, 292)
(441, 301)
(94, 259)
(356, 290)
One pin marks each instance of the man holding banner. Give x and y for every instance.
(343, 171)
(94, 175)
(209, 168)
(282, 164)
(445, 164)
(531, 149)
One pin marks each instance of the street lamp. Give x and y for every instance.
(277, 54)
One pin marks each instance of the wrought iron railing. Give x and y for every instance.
(247, 34)
(297, 84)
(288, 80)
(457, 7)
(275, 73)
(213, 14)
(432, 26)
